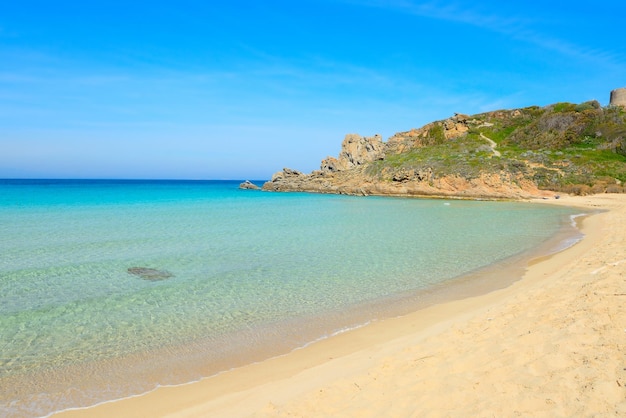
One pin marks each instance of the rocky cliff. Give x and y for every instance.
(506, 154)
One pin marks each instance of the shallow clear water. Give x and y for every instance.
(244, 263)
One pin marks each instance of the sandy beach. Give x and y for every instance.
(551, 344)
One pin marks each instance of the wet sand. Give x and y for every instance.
(551, 344)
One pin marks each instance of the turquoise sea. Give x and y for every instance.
(238, 276)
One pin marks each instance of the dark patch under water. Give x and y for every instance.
(151, 274)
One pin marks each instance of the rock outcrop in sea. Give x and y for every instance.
(248, 185)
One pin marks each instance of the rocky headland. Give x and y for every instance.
(505, 154)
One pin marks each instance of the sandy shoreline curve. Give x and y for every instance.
(551, 344)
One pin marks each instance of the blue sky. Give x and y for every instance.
(241, 89)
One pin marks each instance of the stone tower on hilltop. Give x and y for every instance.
(618, 97)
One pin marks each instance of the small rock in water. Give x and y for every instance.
(248, 185)
(150, 274)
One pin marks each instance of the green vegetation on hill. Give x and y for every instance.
(564, 147)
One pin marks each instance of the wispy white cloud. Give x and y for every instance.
(453, 12)
(18, 77)
(580, 52)
(517, 27)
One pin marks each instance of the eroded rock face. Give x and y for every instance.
(331, 165)
(150, 274)
(456, 126)
(404, 175)
(410, 183)
(427, 135)
(355, 151)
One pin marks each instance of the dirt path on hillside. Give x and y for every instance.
(492, 144)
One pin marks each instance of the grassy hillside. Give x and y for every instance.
(566, 147)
